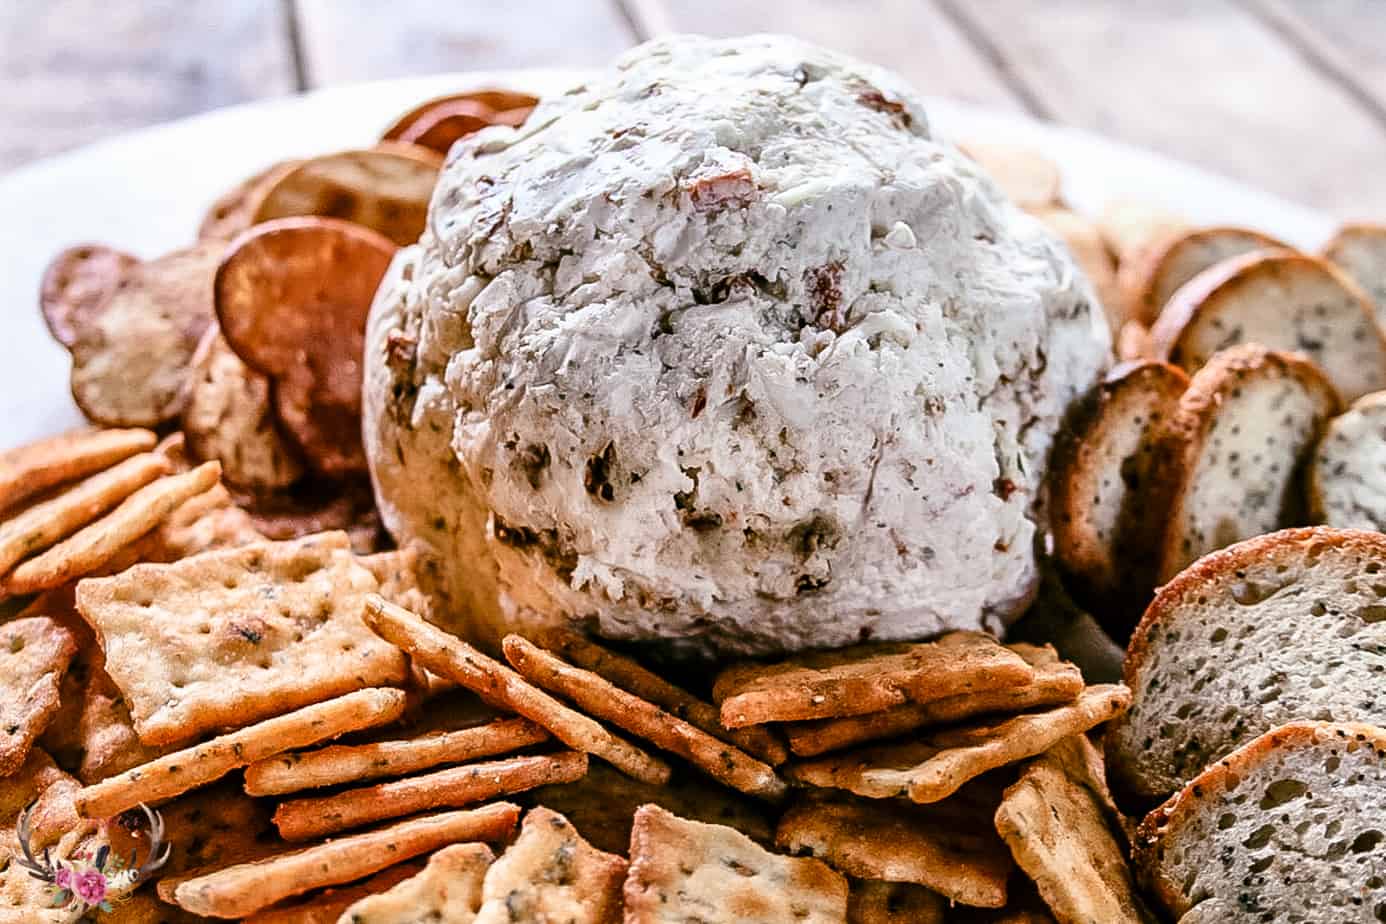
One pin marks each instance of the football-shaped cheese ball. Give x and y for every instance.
(725, 347)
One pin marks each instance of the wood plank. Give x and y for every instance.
(1202, 80)
(348, 40)
(1346, 39)
(74, 71)
(909, 36)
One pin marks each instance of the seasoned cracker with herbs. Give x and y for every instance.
(34, 653)
(448, 889)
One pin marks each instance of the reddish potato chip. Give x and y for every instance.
(234, 210)
(386, 188)
(443, 125)
(292, 297)
(75, 284)
(492, 101)
(512, 117)
(130, 359)
(315, 506)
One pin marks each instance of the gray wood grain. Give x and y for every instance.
(910, 36)
(1344, 39)
(1203, 80)
(348, 40)
(73, 71)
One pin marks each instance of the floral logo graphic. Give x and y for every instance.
(92, 882)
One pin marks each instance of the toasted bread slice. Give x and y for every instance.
(1285, 301)
(1231, 455)
(1148, 278)
(1360, 251)
(1129, 226)
(1279, 628)
(1287, 828)
(1099, 480)
(1347, 474)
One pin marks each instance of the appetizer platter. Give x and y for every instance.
(701, 491)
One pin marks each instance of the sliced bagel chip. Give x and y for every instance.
(234, 210)
(1359, 250)
(292, 297)
(75, 284)
(1149, 278)
(385, 188)
(485, 105)
(1283, 301)
(130, 362)
(1129, 226)
(229, 418)
(442, 123)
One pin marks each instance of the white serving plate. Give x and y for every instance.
(146, 192)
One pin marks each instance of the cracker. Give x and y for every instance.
(109, 742)
(602, 805)
(206, 522)
(943, 849)
(629, 675)
(448, 889)
(551, 874)
(212, 827)
(38, 782)
(348, 763)
(1056, 681)
(36, 467)
(327, 906)
(725, 763)
(75, 284)
(396, 571)
(499, 685)
(96, 544)
(304, 819)
(683, 870)
(229, 637)
(246, 888)
(196, 766)
(234, 210)
(34, 654)
(43, 524)
(934, 765)
(866, 678)
(876, 902)
(1057, 830)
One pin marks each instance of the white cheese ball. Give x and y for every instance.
(726, 347)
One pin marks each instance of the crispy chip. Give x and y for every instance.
(96, 544)
(629, 675)
(1055, 682)
(292, 297)
(499, 685)
(327, 906)
(196, 766)
(551, 874)
(130, 365)
(396, 571)
(441, 122)
(866, 678)
(602, 805)
(229, 418)
(934, 765)
(958, 856)
(109, 742)
(206, 522)
(43, 524)
(234, 210)
(212, 827)
(448, 890)
(75, 284)
(304, 819)
(36, 467)
(229, 637)
(34, 653)
(725, 763)
(40, 783)
(246, 888)
(1057, 830)
(683, 870)
(348, 763)
(874, 902)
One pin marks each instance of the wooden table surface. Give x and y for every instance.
(1288, 95)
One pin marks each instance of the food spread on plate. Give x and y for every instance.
(683, 499)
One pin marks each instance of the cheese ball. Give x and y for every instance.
(725, 348)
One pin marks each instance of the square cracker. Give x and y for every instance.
(726, 763)
(951, 851)
(245, 888)
(29, 469)
(875, 902)
(34, 654)
(327, 906)
(1056, 825)
(1056, 681)
(936, 764)
(551, 874)
(866, 678)
(38, 782)
(448, 889)
(229, 637)
(683, 870)
(602, 805)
